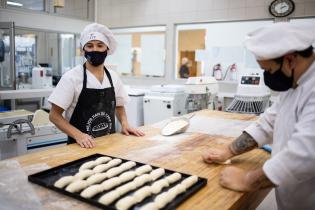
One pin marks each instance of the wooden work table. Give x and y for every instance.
(183, 155)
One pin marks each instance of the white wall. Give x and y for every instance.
(126, 13)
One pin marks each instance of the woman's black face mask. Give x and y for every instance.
(278, 81)
(95, 58)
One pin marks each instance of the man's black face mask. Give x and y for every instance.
(278, 81)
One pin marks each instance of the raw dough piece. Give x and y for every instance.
(110, 183)
(150, 206)
(180, 188)
(114, 171)
(157, 186)
(143, 169)
(157, 173)
(141, 180)
(104, 167)
(128, 165)
(64, 181)
(96, 178)
(190, 181)
(126, 188)
(227, 162)
(91, 191)
(125, 203)
(108, 198)
(142, 193)
(77, 186)
(129, 175)
(102, 160)
(174, 127)
(173, 177)
(84, 174)
(88, 165)
(162, 200)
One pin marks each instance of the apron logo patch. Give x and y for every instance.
(99, 124)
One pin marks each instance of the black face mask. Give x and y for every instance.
(278, 81)
(95, 58)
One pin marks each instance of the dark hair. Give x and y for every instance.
(308, 52)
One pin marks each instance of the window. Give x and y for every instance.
(140, 52)
(37, 5)
(215, 49)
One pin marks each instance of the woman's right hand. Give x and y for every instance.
(85, 140)
(215, 155)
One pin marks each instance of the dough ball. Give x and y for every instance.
(91, 191)
(142, 193)
(88, 165)
(77, 186)
(84, 174)
(150, 206)
(96, 178)
(141, 180)
(108, 198)
(161, 200)
(64, 181)
(102, 160)
(129, 175)
(110, 183)
(190, 181)
(143, 169)
(125, 203)
(101, 168)
(174, 177)
(157, 173)
(128, 165)
(126, 188)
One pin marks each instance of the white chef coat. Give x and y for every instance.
(289, 124)
(68, 89)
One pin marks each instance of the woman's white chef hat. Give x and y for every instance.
(280, 39)
(95, 31)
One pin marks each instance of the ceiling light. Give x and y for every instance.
(12, 3)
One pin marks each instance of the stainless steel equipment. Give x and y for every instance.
(201, 93)
(252, 96)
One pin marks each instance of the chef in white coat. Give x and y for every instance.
(90, 94)
(284, 51)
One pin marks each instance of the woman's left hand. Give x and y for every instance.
(131, 131)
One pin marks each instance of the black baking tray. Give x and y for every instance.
(48, 177)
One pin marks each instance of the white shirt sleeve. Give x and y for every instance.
(121, 94)
(63, 94)
(295, 162)
(262, 130)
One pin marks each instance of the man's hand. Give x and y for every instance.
(133, 131)
(85, 140)
(217, 155)
(239, 180)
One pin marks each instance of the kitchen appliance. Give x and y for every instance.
(252, 95)
(162, 102)
(23, 132)
(41, 77)
(201, 92)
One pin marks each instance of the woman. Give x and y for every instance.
(90, 94)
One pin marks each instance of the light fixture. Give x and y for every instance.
(12, 3)
(59, 3)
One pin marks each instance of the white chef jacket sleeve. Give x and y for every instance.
(63, 94)
(121, 94)
(262, 129)
(295, 162)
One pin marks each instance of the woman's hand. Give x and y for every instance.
(85, 140)
(215, 155)
(133, 131)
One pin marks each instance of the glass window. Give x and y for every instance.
(67, 52)
(215, 49)
(6, 76)
(140, 52)
(37, 5)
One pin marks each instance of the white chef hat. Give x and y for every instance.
(99, 32)
(280, 39)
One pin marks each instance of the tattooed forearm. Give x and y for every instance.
(243, 144)
(258, 180)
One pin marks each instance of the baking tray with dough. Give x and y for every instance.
(127, 184)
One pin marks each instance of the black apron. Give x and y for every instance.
(94, 113)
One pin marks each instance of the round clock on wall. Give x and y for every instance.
(281, 8)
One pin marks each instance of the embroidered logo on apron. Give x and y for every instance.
(99, 123)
